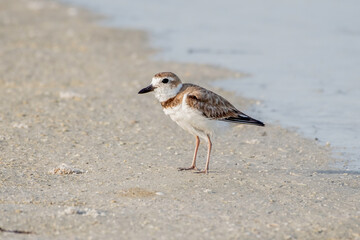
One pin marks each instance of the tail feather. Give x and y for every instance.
(244, 119)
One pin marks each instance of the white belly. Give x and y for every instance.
(193, 120)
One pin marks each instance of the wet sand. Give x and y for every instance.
(69, 95)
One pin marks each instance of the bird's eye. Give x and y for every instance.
(165, 80)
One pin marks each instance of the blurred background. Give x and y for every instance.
(301, 58)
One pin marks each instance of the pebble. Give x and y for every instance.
(64, 169)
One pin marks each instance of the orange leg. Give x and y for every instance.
(208, 157)
(193, 165)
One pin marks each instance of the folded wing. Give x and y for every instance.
(216, 107)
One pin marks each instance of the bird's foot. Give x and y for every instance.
(189, 168)
(202, 171)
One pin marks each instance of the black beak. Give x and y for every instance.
(149, 88)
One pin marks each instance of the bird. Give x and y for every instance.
(197, 110)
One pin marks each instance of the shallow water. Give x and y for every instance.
(302, 57)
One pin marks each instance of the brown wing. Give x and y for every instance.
(209, 103)
(216, 107)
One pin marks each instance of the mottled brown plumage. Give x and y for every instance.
(207, 102)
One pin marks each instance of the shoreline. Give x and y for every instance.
(262, 54)
(69, 95)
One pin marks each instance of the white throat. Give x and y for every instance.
(163, 94)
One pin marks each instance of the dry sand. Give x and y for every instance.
(69, 95)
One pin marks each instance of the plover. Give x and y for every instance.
(197, 110)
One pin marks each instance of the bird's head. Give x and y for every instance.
(165, 85)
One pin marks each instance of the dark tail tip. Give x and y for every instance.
(244, 120)
(257, 123)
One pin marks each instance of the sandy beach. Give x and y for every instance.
(68, 95)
